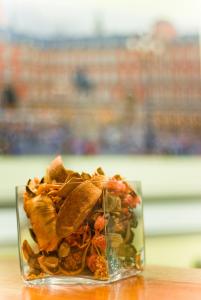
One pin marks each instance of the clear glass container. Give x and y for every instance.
(106, 247)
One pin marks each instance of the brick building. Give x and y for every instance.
(143, 89)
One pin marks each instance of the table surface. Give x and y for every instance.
(156, 283)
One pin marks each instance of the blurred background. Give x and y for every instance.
(106, 83)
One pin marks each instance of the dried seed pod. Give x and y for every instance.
(73, 261)
(99, 223)
(99, 241)
(91, 262)
(76, 208)
(49, 264)
(43, 216)
(64, 249)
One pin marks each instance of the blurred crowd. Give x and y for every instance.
(124, 94)
(18, 139)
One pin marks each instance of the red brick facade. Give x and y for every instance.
(159, 81)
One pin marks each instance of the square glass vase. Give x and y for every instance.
(106, 244)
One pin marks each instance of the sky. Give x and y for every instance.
(42, 17)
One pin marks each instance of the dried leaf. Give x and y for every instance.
(56, 171)
(69, 186)
(76, 208)
(71, 173)
(43, 216)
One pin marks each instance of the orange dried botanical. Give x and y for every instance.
(43, 216)
(69, 186)
(56, 171)
(76, 208)
(70, 215)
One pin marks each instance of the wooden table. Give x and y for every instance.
(156, 283)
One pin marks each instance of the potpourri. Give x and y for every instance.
(82, 224)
